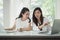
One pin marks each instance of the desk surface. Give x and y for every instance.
(29, 33)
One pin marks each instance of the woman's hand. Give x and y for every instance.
(20, 29)
(24, 29)
(8, 28)
(40, 27)
(44, 24)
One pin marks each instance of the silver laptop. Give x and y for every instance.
(56, 26)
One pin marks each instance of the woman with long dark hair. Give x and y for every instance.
(39, 22)
(23, 22)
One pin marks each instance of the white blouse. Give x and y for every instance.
(21, 24)
(45, 28)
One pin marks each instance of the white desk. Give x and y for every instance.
(25, 33)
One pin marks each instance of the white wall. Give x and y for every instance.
(57, 15)
(6, 12)
(9, 11)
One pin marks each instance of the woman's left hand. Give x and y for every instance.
(40, 27)
(44, 24)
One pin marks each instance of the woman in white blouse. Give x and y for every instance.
(39, 22)
(22, 23)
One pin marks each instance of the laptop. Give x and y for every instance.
(56, 27)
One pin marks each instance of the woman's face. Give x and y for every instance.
(37, 14)
(26, 15)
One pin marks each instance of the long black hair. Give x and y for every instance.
(23, 12)
(35, 19)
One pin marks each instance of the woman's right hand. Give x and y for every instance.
(20, 29)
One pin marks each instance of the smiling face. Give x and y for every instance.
(26, 15)
(37, 14)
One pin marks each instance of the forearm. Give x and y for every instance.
(40, 27)
(44, 24)
(27, 29)
(12, 28)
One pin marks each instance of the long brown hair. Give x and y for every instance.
(35, 19)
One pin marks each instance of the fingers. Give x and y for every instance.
(45, 24)
(8, 29)
(20, 30)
